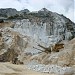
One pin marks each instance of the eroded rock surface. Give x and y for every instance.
(20, 39)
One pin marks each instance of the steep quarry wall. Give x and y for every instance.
(47, 32)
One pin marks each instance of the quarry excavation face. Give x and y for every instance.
(38, 35)
(44, 41)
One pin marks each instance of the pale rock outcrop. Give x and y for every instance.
(48, 32)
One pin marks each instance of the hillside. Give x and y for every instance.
(42, 41)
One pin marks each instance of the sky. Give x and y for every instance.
(65, 7)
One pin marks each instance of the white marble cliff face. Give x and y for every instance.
(48, 33)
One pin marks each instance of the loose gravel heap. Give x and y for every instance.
(50, 68)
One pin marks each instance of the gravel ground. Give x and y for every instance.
(50, 68)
